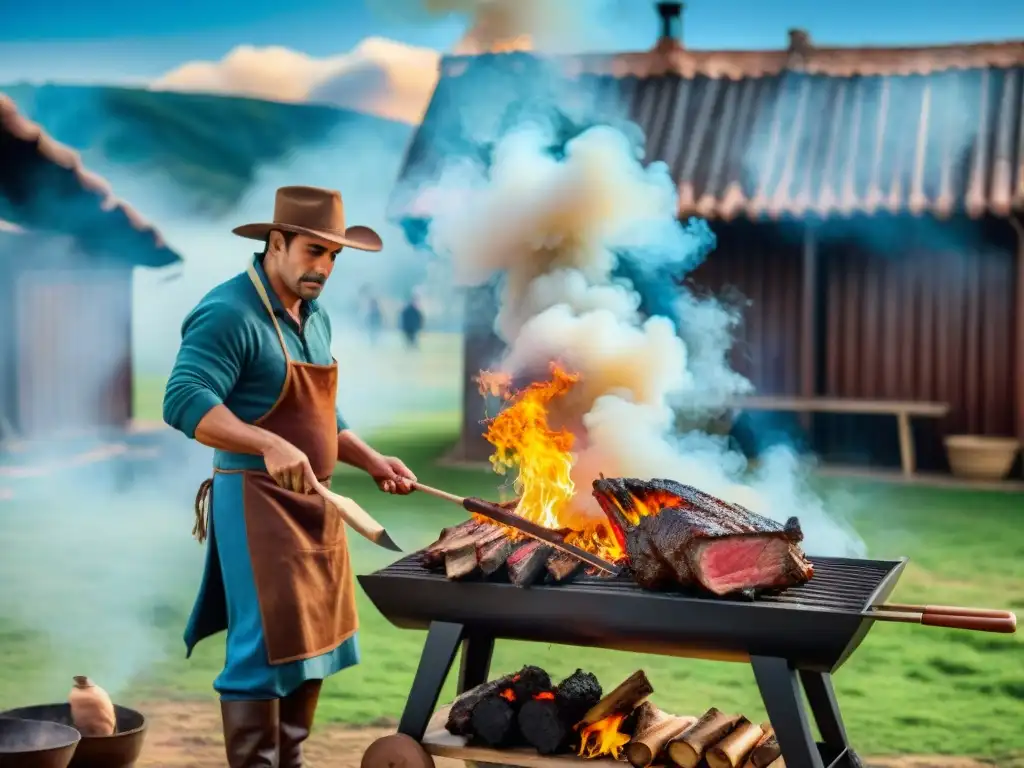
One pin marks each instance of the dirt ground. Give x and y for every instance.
(188, 735)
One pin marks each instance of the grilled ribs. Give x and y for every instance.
(676, 535)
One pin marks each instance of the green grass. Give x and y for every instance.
(908, 689)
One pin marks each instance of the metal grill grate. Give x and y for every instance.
(838, 584)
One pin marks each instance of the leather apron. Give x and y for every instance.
(297, 542)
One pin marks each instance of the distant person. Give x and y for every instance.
(255, 380)
(374, 319)
(412, 322)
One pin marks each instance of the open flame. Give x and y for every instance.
(603, 738)
(525, 442)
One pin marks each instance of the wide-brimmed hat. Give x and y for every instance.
(315, 212)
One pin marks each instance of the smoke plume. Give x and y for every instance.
(555, 221)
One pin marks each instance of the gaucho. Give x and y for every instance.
(255, 380)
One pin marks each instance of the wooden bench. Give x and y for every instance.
(902, 410)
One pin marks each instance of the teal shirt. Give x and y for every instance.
(230, 355)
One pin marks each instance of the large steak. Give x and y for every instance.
(674, 534)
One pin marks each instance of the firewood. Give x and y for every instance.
(766, 750)
(433, 555)
(494, 554)
(731, 751)
(461, 711)
(633, 692)
(526, 563)
(562, 567)
(687, 749)
(529, 682)
(653, 731)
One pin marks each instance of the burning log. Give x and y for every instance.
(546, 720)
(766, 751)
(687, 749)
(462, 554)
(601, 727)
(654, 729)
(526, 563)
(459, 563)
(734, 748)
(629, 695)
(563, 567)
(460, 715)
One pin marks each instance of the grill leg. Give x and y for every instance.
(477, 649)
(780, 690)
(436, 661)
(822, 698)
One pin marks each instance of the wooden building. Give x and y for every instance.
(868, 203)
(67, 251)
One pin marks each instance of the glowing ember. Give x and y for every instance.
(545, 696)
(603, 738)
(508, 695)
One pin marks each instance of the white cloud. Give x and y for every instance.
(379, 76)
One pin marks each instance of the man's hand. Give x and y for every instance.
(289, 467)
(391, 475)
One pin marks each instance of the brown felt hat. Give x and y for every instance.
(315, 212)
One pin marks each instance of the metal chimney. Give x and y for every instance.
(671, 22)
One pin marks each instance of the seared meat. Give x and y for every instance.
(674, 534)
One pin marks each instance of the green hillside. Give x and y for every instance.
(207, 145)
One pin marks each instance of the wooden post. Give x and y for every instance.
(809, 322)
(907, 459)
(1018, 351)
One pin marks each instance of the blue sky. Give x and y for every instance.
(128, 40)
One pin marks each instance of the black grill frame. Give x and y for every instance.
(793, 640)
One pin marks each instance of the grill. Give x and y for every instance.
(799, 636)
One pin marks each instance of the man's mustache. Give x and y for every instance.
(313, 277)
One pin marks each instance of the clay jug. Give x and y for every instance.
(92, 711)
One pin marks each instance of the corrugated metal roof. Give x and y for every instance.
(802, 132)
(75, 201)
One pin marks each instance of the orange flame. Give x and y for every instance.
(603, 738)
(525, 442)
(545, 696)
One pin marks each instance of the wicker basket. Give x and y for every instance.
(974, 457)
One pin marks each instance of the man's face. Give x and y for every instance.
(304, 264)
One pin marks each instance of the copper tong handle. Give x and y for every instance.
(951, 617)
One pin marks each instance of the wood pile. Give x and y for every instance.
(575, 716)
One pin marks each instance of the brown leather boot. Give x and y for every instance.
(297, 711)
(251, 733)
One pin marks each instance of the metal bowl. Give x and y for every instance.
(121, 750)
(36, 743)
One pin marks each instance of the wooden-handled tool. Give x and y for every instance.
(534, 531)
(952, 617)
(358, 518)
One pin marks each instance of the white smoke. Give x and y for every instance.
(552, 228)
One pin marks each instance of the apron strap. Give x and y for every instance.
(202, 509)
(262, 291)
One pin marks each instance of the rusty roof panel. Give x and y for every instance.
(932, 130)
(89, 191)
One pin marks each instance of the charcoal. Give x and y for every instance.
(493, 722)
(577, 694)
(562, 567)
(530, 682)
(461, 712)
(526, 563)
(494, 555)
(543, 727)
